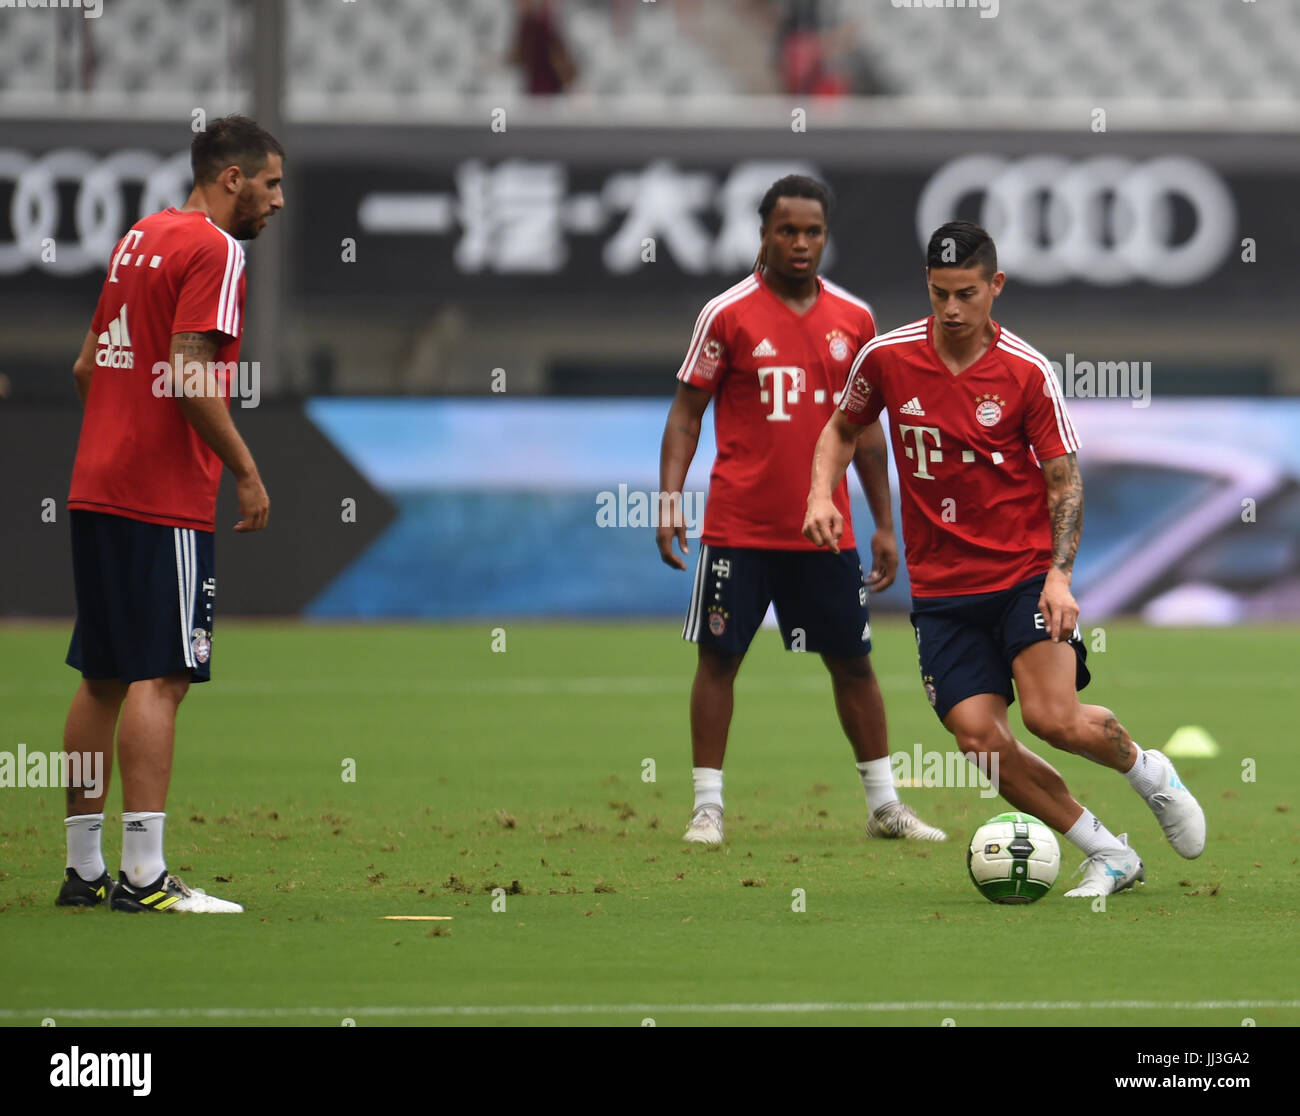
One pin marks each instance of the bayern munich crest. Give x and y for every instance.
(988, 410)
(717, 623)
(839, 345)
(201, 644)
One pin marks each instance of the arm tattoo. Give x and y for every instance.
(1065, 506)
(194, 346)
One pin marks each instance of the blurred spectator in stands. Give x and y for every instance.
(817, 50)
(539, 49)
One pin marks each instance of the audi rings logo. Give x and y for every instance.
(1105, 220)
(99, 204)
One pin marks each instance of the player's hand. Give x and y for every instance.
(1057, 604)
(254, 504)
(822, 524)
(672, 525)
(884, 560)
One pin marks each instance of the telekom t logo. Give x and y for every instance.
(132, 238)
(921, 452)
(779, 394)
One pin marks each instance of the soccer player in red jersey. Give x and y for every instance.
(773, 353)
(154, 376)
(992, 512)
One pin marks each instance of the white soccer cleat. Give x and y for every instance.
(706, 826)
(168, 893)
(1105, 873)
(895, 819)
(198, 901)
(1178, 812)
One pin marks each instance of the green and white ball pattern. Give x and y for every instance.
(1013, 858)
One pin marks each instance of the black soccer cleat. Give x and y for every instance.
(76, 892)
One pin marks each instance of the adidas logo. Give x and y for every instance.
(116, 342)
(764, 348)
(136, 827)
(912, 407)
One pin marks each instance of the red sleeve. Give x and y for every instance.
(707, 359)
(1047, 422)
(862, 401)
(210, 290)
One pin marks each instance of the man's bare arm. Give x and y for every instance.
(207, 413)
(835, 448)
(871, 461)
(681, 438)
(1065, 508)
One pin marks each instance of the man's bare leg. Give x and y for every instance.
(1050, 706)
(712, 703)
(88, 732)
(1033, 786)
(145, 741)
(861, 708)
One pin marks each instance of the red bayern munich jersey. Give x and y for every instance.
(775, 377)
(968, 450)
(138, 457)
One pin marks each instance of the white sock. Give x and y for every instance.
(878, 782)
(708, 786)
(1090, 836)
(1145, 776)
(142, 847)
(85, 853)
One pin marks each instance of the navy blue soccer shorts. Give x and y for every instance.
(820, 600)
(144, 599)
(966, 644)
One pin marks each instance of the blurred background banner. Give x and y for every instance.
(414, 245)
(546, 508)
(503, 218)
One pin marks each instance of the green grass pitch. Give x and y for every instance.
(523, 770)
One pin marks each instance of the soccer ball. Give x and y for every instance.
(1013, 858)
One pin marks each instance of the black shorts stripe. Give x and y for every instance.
(691, 629)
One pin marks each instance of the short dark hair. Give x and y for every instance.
(794, 186)
(962, 244)
(232, 140)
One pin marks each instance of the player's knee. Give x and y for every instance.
(718, 666)
(983, 740)
(106, 691)
(171, 689)
(1053, 722)
(855, 669)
